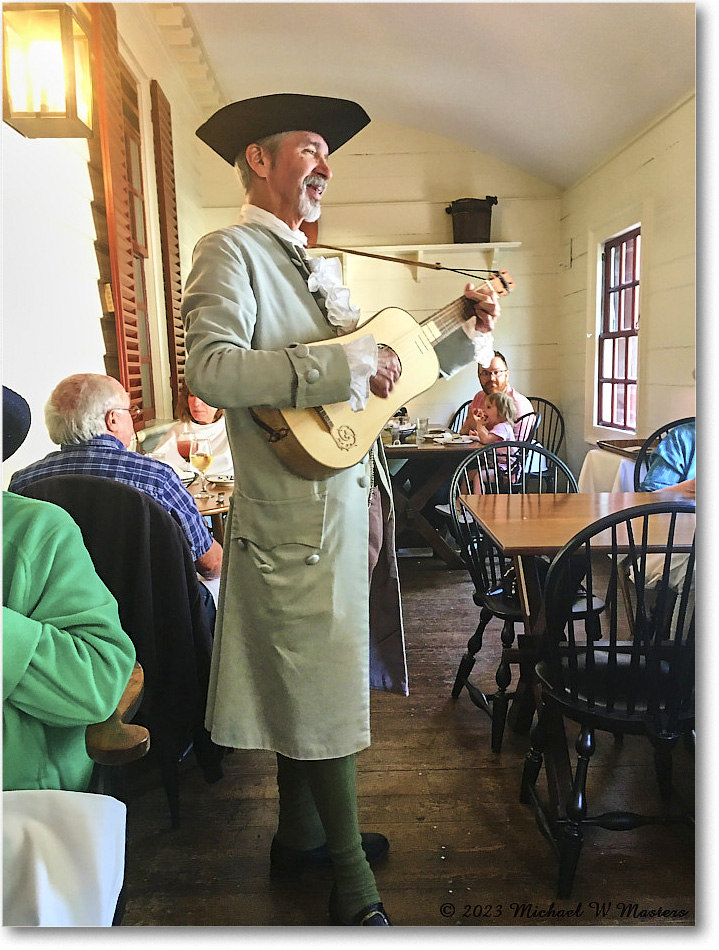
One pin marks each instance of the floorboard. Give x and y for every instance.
(464, 851)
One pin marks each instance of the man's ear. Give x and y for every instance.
(258, 159)
(111, 421)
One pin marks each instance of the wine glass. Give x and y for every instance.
(200, 459)
(184, 442)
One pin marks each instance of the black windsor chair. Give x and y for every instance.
(550, 432)
(459, 416)
(640, 684)
(526, 426)
(650, 444)
(492, 572)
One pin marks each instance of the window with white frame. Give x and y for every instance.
(618, 337)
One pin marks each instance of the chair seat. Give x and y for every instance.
(620, 690)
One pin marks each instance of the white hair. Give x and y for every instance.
(77, 408)
(271, 144)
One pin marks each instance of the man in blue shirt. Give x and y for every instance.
(89, 416)
(672, 465)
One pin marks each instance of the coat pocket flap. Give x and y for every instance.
(270, 523)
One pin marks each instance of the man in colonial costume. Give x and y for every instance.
(304, 629)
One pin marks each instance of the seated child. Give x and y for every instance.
(494, 424)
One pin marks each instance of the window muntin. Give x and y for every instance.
(618, 336)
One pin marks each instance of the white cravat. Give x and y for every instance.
(251, 214)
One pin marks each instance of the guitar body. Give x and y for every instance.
(321, 442)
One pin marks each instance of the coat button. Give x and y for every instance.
(302, 350)
(266, 568)
(312, 375)
(364, 481)
(312, 559)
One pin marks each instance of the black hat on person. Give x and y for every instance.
(15, 422)
(232, 128)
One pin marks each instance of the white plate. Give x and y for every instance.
(221, 479)
(456, 440)
(187, 478)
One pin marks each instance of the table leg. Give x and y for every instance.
(408, 506)
(530, 597)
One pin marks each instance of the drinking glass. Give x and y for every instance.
(184, 442)
(201, 459)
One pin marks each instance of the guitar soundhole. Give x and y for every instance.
(345, 437)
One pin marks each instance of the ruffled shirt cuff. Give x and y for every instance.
(483, 342)
(362, 358)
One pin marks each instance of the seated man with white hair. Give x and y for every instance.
(90, 417)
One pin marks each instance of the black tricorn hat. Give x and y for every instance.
(232, 128)
(15, 421)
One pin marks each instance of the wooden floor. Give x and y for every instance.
(464, 852)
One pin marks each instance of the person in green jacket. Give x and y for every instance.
(66, 658)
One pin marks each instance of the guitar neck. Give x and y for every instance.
(445, 321)
(451, 317)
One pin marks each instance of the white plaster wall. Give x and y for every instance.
(651, 181)
(51, 307)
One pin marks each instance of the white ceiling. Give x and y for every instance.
(552, 88)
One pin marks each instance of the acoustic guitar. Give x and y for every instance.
(319, 442)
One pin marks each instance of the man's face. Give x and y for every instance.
(297, 176)
(495, 377)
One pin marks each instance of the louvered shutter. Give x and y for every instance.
(165, 175)
(110, 126)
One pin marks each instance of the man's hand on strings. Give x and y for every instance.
(388, 372)
(486, 306)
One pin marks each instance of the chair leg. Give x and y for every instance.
(500, 704)
(474, 645)
(572, 837)
(534, 758)
(500, 699)
(663, 769)
(169, 769)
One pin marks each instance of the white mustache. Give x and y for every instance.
(315, 181)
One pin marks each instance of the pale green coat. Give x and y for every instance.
(291, 663)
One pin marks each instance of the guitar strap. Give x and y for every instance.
(299, 259)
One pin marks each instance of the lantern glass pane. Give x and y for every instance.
(83, 80)
(36, 77)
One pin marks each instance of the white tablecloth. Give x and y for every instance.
(603, 470)
(63, 858)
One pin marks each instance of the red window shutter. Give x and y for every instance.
(108, 81)
(165, 174)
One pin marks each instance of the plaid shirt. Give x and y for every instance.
(107, 457)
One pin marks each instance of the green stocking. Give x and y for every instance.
(334, 788)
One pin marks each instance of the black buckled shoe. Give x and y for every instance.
(291, 862)
(373, 915)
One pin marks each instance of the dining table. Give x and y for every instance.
(426, 467)
(610, 466)
(215, 506)
(528, 526)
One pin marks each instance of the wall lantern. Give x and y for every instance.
(47, 88)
